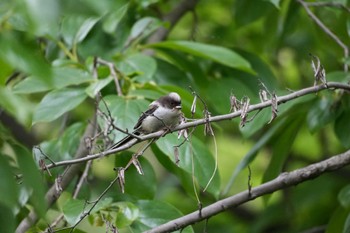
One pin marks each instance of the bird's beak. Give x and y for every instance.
(178, 107)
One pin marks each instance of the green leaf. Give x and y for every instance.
(7, 219)
(144, 66)
(344, 196)
(280, 150)
(321, 113)
(154, 213)
(32, 179)
(127, 213)
(203, 160)
(216, 53)
(61, 77)
(8, 183)
(56, 103)
(16, 105)
(113, 19)
(18, 53)
(125, 112)
(72, 210)
(342, 128)
(97, 85)
(250, 156)
(337, 220)
(43, 16)
(69, 141)
(143, 28)
(136, 185)
(85, 28)
(346, 228)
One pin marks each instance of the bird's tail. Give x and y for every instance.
(124, 141)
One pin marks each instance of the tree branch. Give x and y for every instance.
(327, 31)
(284, 180)
(52, 194)
(280, 100)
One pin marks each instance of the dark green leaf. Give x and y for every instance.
(344, 196)
(342, 128)
(321, 113)
(140, 186)
(154, 213)
(250, 156)
(218, 54)
(7, 182)
(19, 54)
(32, 179)
(7, 220)
(337, 221)
(196, 153)
(280, 150)
(56, 103)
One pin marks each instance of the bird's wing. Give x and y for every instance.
(152, 108)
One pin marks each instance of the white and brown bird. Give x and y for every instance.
(163, 113)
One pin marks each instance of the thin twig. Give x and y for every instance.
(254, 107)
(114, 72)
(327, 31)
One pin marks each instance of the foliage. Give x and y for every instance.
(55, 57)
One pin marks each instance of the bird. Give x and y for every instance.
(163, 113)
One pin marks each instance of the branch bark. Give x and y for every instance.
(284, 180)
(259, 106)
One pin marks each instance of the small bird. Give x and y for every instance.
(164, 113)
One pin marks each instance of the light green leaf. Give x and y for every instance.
(43, 16)
(61, 77)
(85, 28)
(97, 85)
(204, 163)
(127, 213)
(154, 213)
(144, 66)
(276, 3)
(216, 53)
(124, 111)
(56, 103)
(113, 19)
(32, 179)
(72, 210)
(143, 27)
(18, 106)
